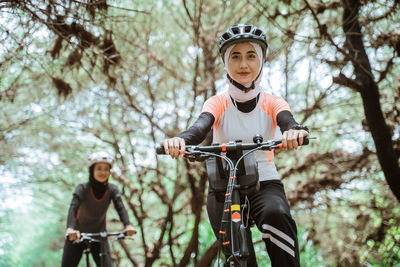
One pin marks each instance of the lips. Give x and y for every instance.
(243, 73)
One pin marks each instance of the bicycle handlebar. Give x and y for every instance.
(233, 146)
(95, 237)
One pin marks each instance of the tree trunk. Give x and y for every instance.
(208, 256)
(370, 96)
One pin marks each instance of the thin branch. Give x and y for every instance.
(345, 81)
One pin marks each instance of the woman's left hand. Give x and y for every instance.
(290, 137)
(129, 230)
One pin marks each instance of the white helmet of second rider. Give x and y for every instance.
(98, 157)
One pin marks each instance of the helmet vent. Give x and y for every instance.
(226, 36)
(258, 32)
(247, 29)
(235, 30)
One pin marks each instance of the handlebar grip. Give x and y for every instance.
(160, 150)
(306, 141)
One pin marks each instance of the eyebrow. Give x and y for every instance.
(248, 52)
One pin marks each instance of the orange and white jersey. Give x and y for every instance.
(231, 124)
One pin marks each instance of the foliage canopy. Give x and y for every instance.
(80, 76)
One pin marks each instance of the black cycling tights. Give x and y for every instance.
(73, 252)
(270, 211)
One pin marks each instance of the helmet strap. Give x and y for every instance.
(241, 86)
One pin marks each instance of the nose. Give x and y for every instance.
(243, 64)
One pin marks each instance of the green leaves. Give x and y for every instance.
(81, 77)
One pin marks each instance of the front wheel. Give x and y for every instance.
(235, 263)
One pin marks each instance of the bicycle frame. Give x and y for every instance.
(232, 213)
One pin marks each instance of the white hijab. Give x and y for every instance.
(235, 92)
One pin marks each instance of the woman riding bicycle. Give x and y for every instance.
(243, 110)
(87, 212)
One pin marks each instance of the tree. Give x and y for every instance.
(366, 85)
(122, 78)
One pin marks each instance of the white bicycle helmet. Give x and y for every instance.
(100, 156)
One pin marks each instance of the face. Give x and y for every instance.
(101, 172)
(243, 63)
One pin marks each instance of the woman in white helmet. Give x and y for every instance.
(88, 209)
(239, 113)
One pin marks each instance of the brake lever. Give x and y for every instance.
(89, 239)
(270, 147)
(202, 157)
(190, 157)
(82, 239)
(196, 157)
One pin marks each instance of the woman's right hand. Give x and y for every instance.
(174, 146)
(73, 234)
(129, 230)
